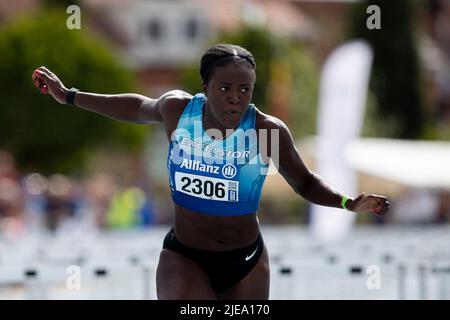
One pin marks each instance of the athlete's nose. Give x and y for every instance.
(233, 97)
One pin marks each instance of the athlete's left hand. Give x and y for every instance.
(375, 204)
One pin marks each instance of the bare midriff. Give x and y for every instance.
(215, 233)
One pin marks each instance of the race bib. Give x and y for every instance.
(207, 187)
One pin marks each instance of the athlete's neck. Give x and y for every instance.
(210, 122)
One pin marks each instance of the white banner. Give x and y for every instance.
(343, 90)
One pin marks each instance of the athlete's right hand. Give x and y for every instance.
(47, 82)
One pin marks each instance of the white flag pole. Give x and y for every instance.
(343, 90)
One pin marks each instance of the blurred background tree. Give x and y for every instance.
(42, 134)
(396, 99)
(286, 77)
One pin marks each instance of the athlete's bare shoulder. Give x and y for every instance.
(267, 121)
(164, 108)
(170, 106)
(172, 103)
(173, 99)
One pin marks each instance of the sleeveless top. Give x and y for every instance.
(221, 177)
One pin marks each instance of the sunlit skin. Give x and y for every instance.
(229, 93)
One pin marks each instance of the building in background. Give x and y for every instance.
(159, 38)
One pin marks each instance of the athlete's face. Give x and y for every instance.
(229, 92)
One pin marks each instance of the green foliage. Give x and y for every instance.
(304, 91)
(395, 79)
(280, 65)
(42, 134)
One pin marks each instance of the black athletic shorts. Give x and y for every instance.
(224, 268)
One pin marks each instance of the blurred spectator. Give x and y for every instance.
(60, 206)
(130, 205)
(444, 206)
(7, 166)
(35, 186)
(124, 209)
(11, 198)
(99, 189)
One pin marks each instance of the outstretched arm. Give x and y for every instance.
(313, 187)
(129, 107)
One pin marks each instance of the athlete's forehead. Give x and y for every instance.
(239, 72)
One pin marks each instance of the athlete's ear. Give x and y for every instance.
(204, 86)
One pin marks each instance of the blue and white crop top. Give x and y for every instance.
(221, 177)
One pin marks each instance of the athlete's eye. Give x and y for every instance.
(223, 89)
(245, 90)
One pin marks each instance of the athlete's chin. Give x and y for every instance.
(230, 124)
(231, 121)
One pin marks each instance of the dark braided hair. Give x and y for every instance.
(221, 54)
